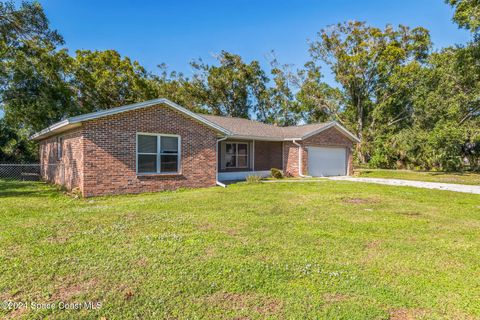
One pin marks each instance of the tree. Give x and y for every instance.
(279, 105)
(23, 26)
(467, 14)
(234, 88)
(363, 59)
(20, 29)
(318, 101)
(32, 88)
(38, 93)
(103, 79)
(443, 127)
(14, 144)
(176, 87)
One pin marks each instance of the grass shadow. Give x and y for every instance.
(15, 188)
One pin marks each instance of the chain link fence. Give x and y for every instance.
(16, 171)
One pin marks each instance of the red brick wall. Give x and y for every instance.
(68, 170)
(268, 155)
(329, 138)
(290, 159)
(110, 152)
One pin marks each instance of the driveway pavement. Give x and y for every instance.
(418, 184)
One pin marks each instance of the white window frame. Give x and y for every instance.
(159, 153)
(236, 155)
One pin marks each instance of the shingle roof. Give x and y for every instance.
(229, 126)
(250, 128)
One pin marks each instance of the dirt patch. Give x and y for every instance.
(17, 313)
(206, 227)
(232, 232)
(352, 200)
(372, 249)
(407, 314)
(373, 244)
(142, 262)
(409, 213)
(67, 291)
(128, 294)
(210, 252)
(59, 239)
(247, 302)
(334, 297)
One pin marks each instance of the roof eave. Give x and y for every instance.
(331, 125)
(55, 128)
(260, 138)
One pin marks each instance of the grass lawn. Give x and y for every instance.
(328, 250)
(461, 178)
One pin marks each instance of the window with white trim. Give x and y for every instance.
(158, 153)
(236, 155)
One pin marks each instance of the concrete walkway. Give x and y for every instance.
(417, 184)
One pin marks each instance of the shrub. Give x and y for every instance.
(253, 179)
(276, 173)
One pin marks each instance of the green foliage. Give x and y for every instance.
(22, 27)
(103, 79)
(276, 173)
(234, 88)
(467, 13)
(31, 71)
(38, 92)
(15, 146)
(364, 60)
(252, 179)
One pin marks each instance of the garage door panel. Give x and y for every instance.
(327, 161)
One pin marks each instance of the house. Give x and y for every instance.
(158, 145)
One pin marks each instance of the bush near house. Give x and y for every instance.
(276, 173)
(253, 179)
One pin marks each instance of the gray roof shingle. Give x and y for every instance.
(250, 128)
(237, 127)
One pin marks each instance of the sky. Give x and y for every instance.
(176, 32)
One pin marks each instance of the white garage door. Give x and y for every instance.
(325, 161)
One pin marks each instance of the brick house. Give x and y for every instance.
(158, 145)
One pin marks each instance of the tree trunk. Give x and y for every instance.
(359, 147)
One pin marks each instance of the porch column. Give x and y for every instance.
(253, 156)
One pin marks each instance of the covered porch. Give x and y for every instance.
(240, 158)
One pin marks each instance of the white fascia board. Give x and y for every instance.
(53, 127)
(103, 113)
(260, 138)
(331, 125)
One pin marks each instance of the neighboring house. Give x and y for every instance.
(159, 145)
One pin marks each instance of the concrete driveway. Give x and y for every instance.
(417, 184)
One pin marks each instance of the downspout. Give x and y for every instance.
(299, 158)
(217, 155)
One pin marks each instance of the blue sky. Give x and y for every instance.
(175, 32)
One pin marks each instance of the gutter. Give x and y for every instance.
(299, 159)
(216, 169)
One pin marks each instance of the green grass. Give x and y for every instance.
(326, 250)
(460, 178)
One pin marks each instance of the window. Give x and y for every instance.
(236, 155)
(59, 147)
(157, 153)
